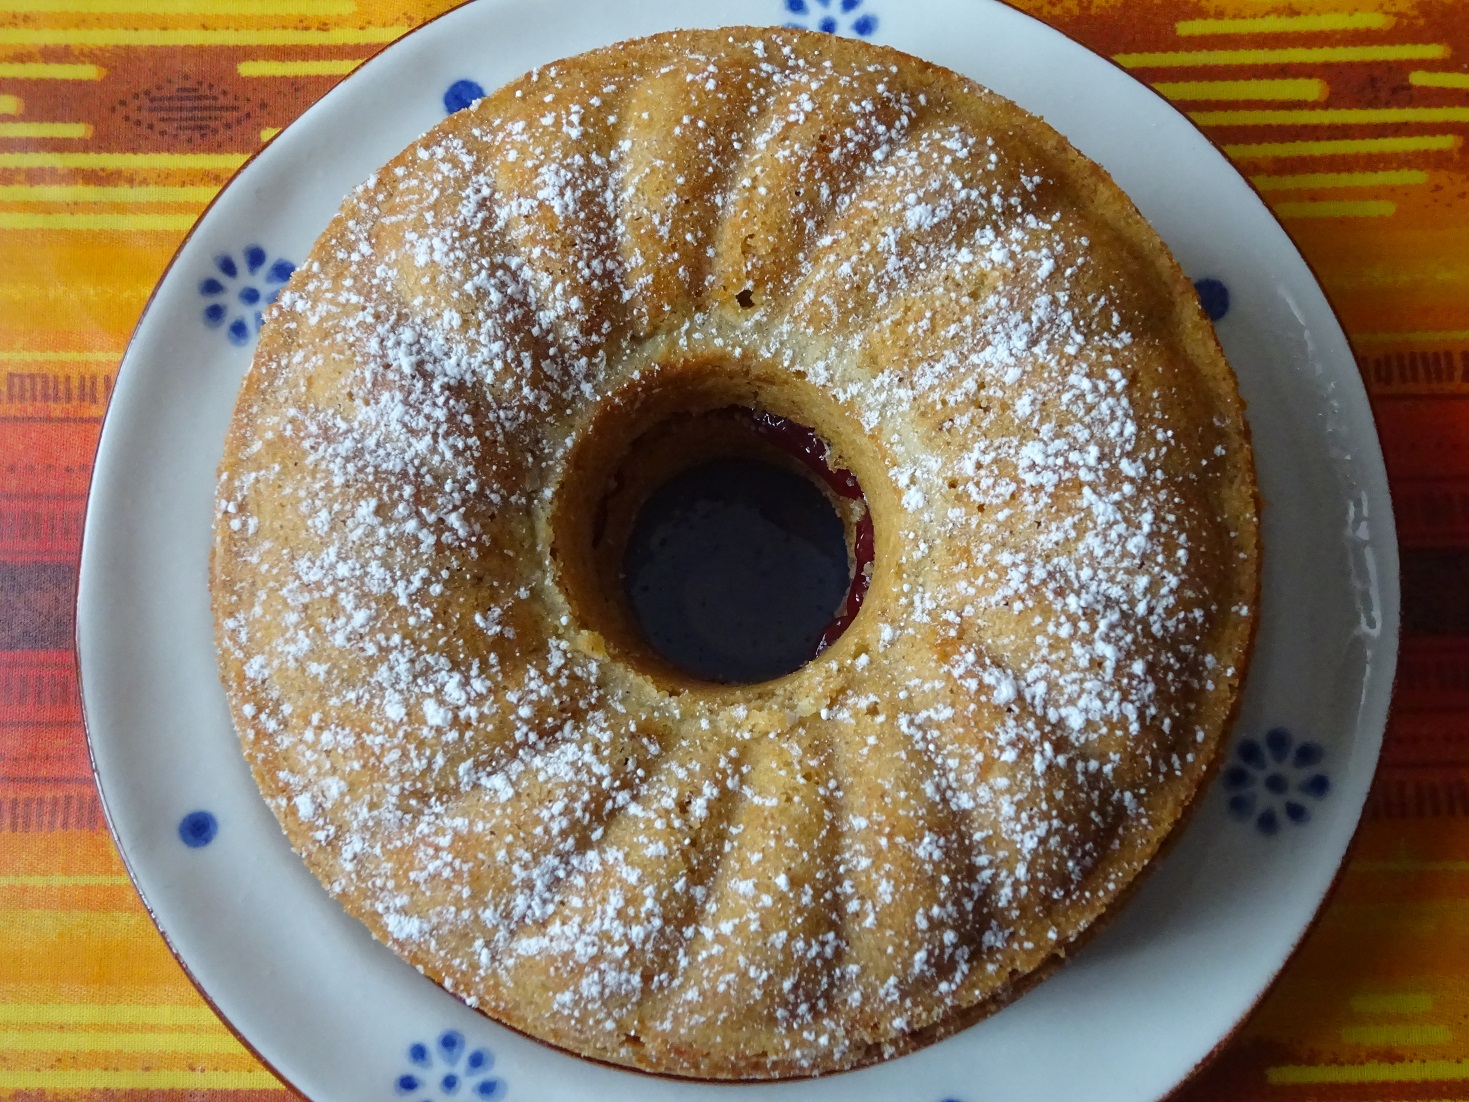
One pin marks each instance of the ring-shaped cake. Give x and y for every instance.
(548, 303)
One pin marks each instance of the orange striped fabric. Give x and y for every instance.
(120, 119)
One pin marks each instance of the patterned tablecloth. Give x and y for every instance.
(119, 119)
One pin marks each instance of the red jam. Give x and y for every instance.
(803, 443)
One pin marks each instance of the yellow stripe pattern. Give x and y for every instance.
(98, 193)
(45, 130)
(320, 67)
(1304, 89)
(201, 36)
(1344, 208)
(1330, 116)
(147, 223)
(1285, 55)
(1408, 1071)
(69, 1041)
(1397, 1034)
(1287, 24)
(1414, 336)
(131, 162)
(1343, 146)
(106, 1014)
(1399, 177)
(1424, 79)
(309, 9)
(88, 1080)
(39, 355)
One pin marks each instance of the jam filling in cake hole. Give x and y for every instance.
(740, 570)
(726, 546)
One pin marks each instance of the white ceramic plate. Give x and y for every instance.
(342, 1018)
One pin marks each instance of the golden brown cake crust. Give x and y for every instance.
(450, 715)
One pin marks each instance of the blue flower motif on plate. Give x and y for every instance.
(832, 16)
(1275, 780)
(448, 1069)
(197, 829)
(1213, 297)
(240, 290)
(462, 94)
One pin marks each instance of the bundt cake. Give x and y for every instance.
(550, 301)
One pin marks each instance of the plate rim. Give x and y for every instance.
(1389, 586)
(1380, 737)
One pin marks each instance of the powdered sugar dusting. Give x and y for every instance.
(803, 875)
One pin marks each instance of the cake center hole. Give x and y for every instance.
(745, 564)
(735, 569)
(710, 543)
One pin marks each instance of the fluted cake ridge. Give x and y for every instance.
(440, 691)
